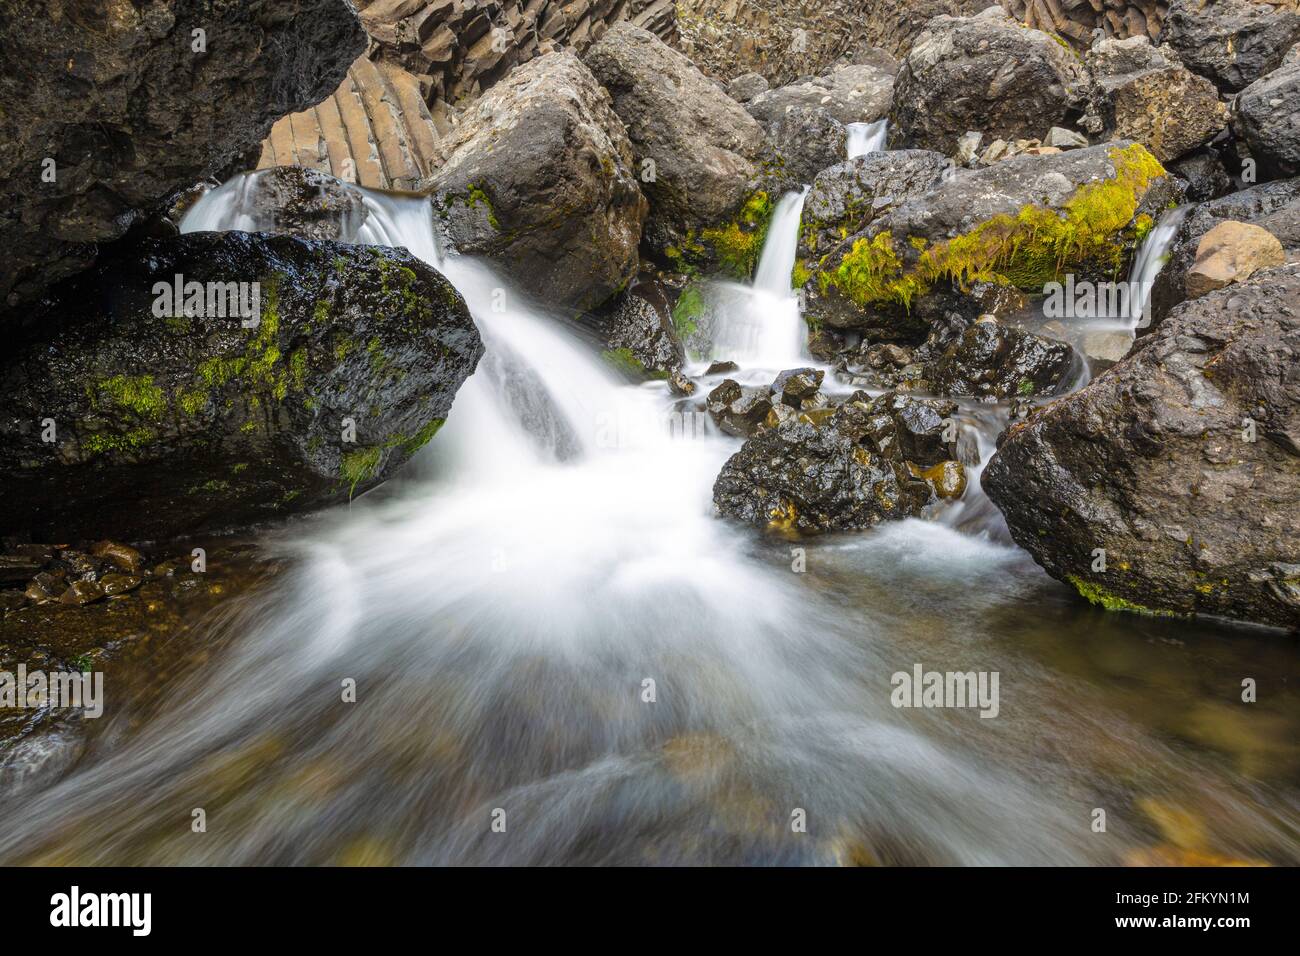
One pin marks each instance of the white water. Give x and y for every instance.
(866, 138)
(502, 615)
(1150, 259)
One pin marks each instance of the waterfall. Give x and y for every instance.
(761, 325)
(1148, 262)
(866, 138)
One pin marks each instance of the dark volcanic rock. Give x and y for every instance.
(116, 96)
(296, 201)
(1206, 176)
(539, 178)
(1230, 42)
(986, 73)
(640, 321)
(1182, 462)
(808, 140)
(992, 361)
(122, 422)
(1265, 116)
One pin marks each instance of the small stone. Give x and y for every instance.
(82, 592)
(968, 145)
(47, 586)
(1062, 138)
(679, 384)
(114, 583)
(124, 556)
(721, 368)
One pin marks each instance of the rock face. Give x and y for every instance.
(128, 112)
(993, 362)
(124, 417)
(1231, 42)
(1148, 96)
(697, 152)
(1182, 462)
(985, 73)
(539, 178)
(1231, 252)
(1265, 117)
(1271, 206)
(1080, 20)
(638, 333)
(808, 139)
(845, 198)
(293, 200)
(1021, 223)
(849, 93)
(869, 460)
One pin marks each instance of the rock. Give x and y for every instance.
(1273, 206)
(82, 592)
(13, 600)
(968, 146)
(987, 73)
(539, 178)
(811, 479)
(1007, 225)
(1264, 115)
(306, 203)
(679, 384)
(123, 555)
(128, 113)
(1148, 96)
(47, 586)
(115, 584)
(845, 198)
(1231, 42)
(739, 410)
(948, 478)
(747, 86)
(18, 569)
(796, 385)
(640, 323)
(808, 140)
(171, 424)
(1154, 463)
(720, 368)
(1103, 349)
(1065, 139)
(696, 151)
(1231, 252)
(848, 94)
(1205, 175)
(993, 362)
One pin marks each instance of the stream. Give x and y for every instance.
(552, 560)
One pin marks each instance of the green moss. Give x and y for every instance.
(800, 274)
(687, 312)
(624, 361)
(1096, 594)
(1026, 388)
(1142, 227)
(298, 369)
(177, 324)
(737, 245)
(135, 393)
(193, 402)
(422, 437)
(320, 313)
(127, 441)
(1036, 246)
(478, 197)
(239, 467)
(359, 466)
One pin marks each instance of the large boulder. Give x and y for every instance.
(993, 362)
(1231, 42)
(845, 198)
(850, 93)
(130, 414)
(637, 331)
(539, 178)
(697, 153)
(1266, 115)
(808, 139)
(1146, 95)
(1023, 223)
(1274, 207)
(1231, 252)
(1181, 464)
(986, 73)
(111, 108)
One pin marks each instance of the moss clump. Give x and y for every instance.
(127, 441)
(1096, 594)
(421, 438)
(737, 245)
(624, 361)
(478, 197)
(1036, 246)
(135, 393)
(800, 274)
(687, 311)
(359, 466)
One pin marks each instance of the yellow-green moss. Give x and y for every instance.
(624, 361)
(1096, 594)
(135, 393)
(736, 246)
(1028, 250)
(478, 197)
(800, 274)
(687, 311)
(359, 466)
(127, 441)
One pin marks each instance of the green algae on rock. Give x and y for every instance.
(349, 368)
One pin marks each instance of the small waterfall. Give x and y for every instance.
(761, 325)
(866, 138)
(1150, 260)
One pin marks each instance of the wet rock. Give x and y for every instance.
(847, 94)
(1025, 82)
(719, 368)
(739, 410)
(679, 384)
(812, 480)
(114, 584)
(992, 362)
(307, 203)
(747, 86)
(795, 386)
(1205, 175)
(1008, 225)
(1231, 252)
(808, 140)
(948, 478)
(1154, 462)
(13, 600)
(845, 198)
(123, 555)
(1148, 96)
(640, 324)
(1264, 116)
(18, 569)
(696, 151)
(539, 178)
(47, 586)
(1273, 206)
(129, 114)
(82, 592)
(169, 424)
(1230, 42)
(80, 566)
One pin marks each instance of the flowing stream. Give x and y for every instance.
(550, 630)
(866, 138)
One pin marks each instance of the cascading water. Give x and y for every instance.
(863, 138)
(548, 623)
(1150, 259)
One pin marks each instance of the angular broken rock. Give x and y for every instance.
(1231, 252)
